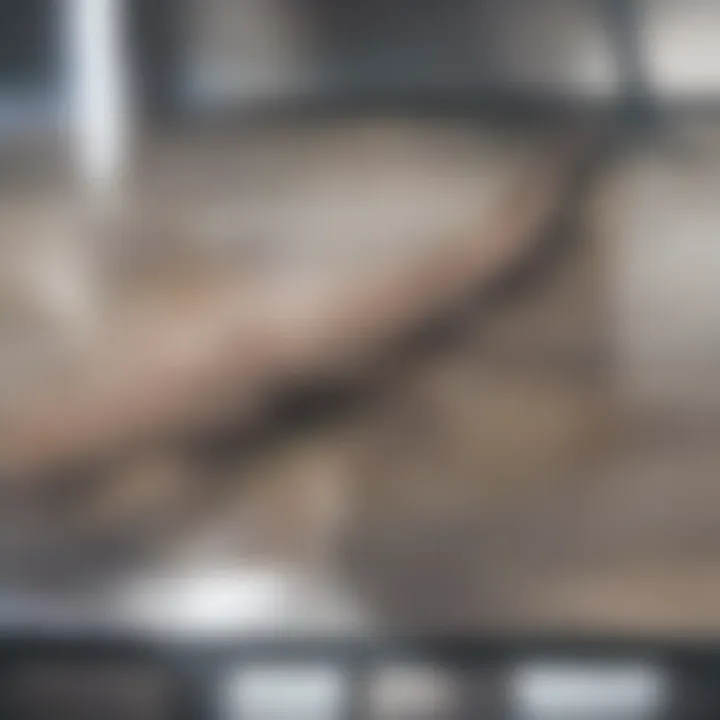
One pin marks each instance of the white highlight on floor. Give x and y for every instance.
(553, 690)
(215, 600)
(283, 692)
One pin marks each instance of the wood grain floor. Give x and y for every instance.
(504, 473)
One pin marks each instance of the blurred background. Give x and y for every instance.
(356, 317)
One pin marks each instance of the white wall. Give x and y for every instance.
(682, 44)
(561, 44)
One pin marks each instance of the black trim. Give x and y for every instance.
(195, 668)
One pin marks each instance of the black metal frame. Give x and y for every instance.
(196, 668)
(159, 29)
